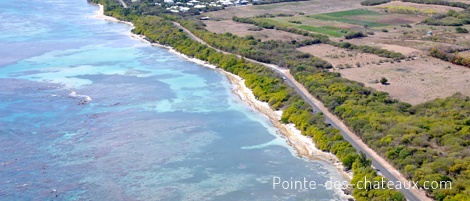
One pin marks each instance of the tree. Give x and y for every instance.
(383, 81)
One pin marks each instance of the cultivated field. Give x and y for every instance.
(241, 29)
(414, 81)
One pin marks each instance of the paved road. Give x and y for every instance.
(384, 168)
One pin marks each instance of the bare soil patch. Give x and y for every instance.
(307, 7)
(241, 29)
(415, 81)
(340, 57)
(397, 19)
(388, 45)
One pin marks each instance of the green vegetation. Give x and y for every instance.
(429, 141)
(255, 28)
(351, 35)
(267, 86)
(317, 38)
(408, 10)
(273, 1)
(451, 18)
(328, 30)
(441, 2)
(374, 2)
(461, 30)
(344, 16)
(295, 22)
(383, 81)
(450, 55)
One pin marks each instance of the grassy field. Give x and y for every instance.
(350, 17)
(327, 30)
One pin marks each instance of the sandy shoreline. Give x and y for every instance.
(302, 144)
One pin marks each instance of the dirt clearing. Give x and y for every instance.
(414, 81)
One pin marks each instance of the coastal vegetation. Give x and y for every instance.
(427, 142)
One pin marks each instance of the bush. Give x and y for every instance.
(383, 81)
(352, 35)
(461, 30)
(406, 25)
(374, 2)
(295, 22)
(255, 29)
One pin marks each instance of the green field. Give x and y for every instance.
(344, 16)
(328, 30)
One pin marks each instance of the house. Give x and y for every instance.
(184, 9)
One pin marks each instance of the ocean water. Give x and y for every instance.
(158, 127)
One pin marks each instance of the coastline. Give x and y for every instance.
(303, 145)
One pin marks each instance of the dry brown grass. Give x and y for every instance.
(339, 56)
(437, 8)
(414, 81)
(241, 29)
(307, 7)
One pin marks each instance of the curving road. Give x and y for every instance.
(382, 166)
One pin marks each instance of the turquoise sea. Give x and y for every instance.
(89, 113)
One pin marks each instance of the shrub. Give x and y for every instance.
(255, 29)
(352, 35)
(295, 22)
(461, 30)
(383, 81)
(374, 2)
